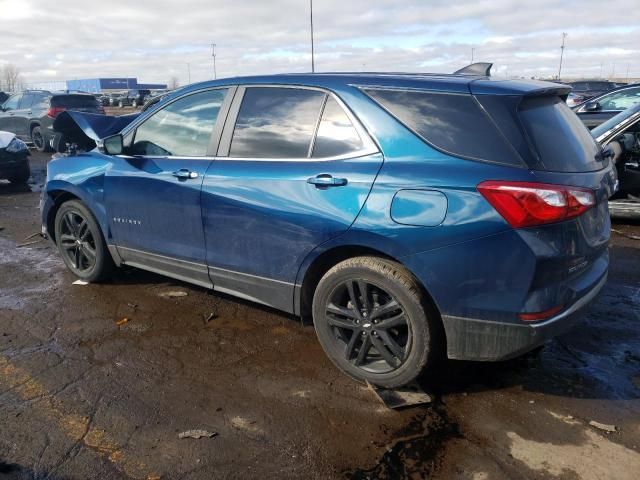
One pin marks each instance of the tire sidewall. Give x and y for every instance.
(420, 346)
(98, 270)
(37, 131)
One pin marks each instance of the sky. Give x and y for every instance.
(155, 40)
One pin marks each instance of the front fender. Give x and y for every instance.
(86, 183)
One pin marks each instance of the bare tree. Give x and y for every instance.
(174, 83)
(11, 78)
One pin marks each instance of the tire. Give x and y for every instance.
(22, 177)
(39, 139)
(81, 244)
(121, 104)
(402, 338)
(134, 104)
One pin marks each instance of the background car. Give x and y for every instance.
(603, 107)
(621, 134)
(591, 88)
(14, 158)
(30, 114)
(407, 215)
(133, 98)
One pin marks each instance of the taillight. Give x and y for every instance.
(526, 204)
(101, 109)
(54, 111)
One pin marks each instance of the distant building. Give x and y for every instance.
(97, 85)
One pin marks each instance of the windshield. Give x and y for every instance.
(610, 124)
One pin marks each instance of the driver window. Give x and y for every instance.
(183, 128)
(12, 102)
(621, 100)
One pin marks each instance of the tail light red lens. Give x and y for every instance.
(537, 316)
(54, 111)
(527, 204)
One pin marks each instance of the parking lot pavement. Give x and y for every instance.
(98, 381)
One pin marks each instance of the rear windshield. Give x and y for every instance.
(74, 101)
(452, 122)
(558, 137)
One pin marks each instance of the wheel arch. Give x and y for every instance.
(330, 257)
(58, 197)
(33, 124)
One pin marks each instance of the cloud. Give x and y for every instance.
(155, 40)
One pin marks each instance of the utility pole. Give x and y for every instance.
(313, 60)
(473, 50)
(564, 36)
(213, 54)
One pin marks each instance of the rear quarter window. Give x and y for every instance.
(451, 122)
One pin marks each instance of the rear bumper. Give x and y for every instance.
(484, 340)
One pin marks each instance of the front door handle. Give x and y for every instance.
(325, 180)
(184, 174)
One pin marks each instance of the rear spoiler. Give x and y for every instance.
(481, 69)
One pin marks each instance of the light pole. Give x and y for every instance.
(564, 35)
(213, 54)
(473, 50)
(313, 62)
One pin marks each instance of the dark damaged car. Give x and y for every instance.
(14, 159)
(409, 216)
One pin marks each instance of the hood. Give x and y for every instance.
(6, 138)
(93, 125)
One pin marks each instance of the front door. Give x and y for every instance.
(153, 191)
(7, 115)
(293, 171)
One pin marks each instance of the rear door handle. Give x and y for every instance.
(184, 174)
(326, 180)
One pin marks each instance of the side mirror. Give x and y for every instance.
(592, 107)
(113, 145)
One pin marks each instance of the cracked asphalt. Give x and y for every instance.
(86, 394)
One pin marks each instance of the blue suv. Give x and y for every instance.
(409, 216)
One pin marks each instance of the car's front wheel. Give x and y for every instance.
(373, 321)
(81, 244)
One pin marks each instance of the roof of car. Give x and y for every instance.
(425, 81)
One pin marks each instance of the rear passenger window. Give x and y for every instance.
(276, 123)
(451, 122)
(336, 134)
(183, 128)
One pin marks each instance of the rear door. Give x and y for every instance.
(293, 171)
(23, 114)
(153, 192)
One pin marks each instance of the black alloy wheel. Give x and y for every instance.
(370, 325)
(374, 321)
(77, 242)
(80, 242)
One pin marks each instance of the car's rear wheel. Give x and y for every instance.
(121, 104)
(371, 319)
(134, 104)
(39, 140)
(81, 244)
